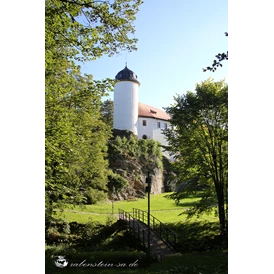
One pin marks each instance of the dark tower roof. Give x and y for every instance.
(127, 75)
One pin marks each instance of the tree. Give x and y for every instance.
(76, 135)
(107, 111)
(86, 30)
(76, 142)
(199, 143)
(217, 62)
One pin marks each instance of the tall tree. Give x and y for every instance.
(107, 111)
(199, 142)
(76, 136)
(76, 141)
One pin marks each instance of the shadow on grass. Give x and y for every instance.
(180, 200)
(198, 236)
(186, 204)
(202, 249)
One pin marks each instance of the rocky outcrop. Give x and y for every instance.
(131, 158)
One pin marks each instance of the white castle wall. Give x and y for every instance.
(152, 131)
(126, 106)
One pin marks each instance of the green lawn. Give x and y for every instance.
(161, 207)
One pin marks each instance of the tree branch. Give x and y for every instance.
(217, 62)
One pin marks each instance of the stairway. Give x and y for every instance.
(140, 230)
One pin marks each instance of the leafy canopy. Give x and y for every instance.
(76, 135)
(199, 143)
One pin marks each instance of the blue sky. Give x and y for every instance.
(176, 40)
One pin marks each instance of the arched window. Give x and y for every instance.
(144, 137)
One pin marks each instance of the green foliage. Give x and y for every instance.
(76, 139)
(57, 231)
(199, 142)
(130, 158)
(170, 176)
(92, 234)
(95, 195)
(150, 154)
(107, 111)
(116, 181)
(76, 135)
(86, 30)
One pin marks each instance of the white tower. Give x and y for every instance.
(126, 101)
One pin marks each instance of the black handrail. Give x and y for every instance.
(165, 233)
(142, 234)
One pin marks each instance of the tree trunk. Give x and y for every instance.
(221, 208)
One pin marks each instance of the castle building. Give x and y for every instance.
(144, 121)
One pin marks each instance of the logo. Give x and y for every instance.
(61, 261)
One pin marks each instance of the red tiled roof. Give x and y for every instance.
(151, 112)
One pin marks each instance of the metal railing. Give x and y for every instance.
(137, 229)
(165, 233)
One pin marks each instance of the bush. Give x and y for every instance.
(94, 195)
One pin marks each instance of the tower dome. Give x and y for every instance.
(127, 75)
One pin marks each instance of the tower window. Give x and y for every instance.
(158, 124)
(144, 123)
(144, 137)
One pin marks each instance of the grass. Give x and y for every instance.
(82, 217)
(160, 206)
(157, 202)
(195, 237)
